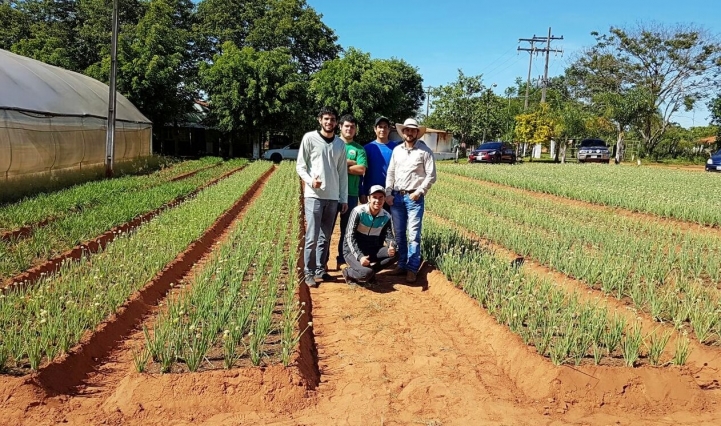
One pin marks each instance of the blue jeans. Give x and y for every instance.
(319, 219)
(352, 203)
(407, 220)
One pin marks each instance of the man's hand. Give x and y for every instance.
(316, 182)
(391, 251)
(415, 196)
(343, 208)
(365, 261)
(350, 163)
(389, 200)
(363, 199)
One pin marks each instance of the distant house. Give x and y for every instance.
(439, 141)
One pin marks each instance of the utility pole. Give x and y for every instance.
(110, 133)
(428, 100)
(531, 51)
(536, 50)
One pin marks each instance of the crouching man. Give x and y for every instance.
(369, 244)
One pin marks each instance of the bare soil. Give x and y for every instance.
(396, 354)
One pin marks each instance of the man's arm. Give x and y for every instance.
(342, 178)
(301, 165)
(353, 221)
(429, 164)
(391, 174)
(360, 164)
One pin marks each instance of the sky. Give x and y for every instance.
(481, 37)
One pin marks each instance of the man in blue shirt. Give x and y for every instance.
(378, 153)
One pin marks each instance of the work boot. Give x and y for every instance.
(410, 277)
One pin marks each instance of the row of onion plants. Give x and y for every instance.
(648, 269)
(697, 256)
(117, 208)
(559, 325)
(228, 310)
(43, 321)
(679, 194)
(80, 197)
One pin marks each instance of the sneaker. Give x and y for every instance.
(348, 280)
(410, 277)
(324, 276)
(310, 281)
(398, 271)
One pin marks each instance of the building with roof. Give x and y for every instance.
(54, 119)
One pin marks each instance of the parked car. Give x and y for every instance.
(713, 164)
(493, 152)
(289, 152)
(593, 150)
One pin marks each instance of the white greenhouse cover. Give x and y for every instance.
(30, 85)
(54, 119)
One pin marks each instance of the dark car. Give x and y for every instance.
(593, 150)
(713, 164)
(493, 152)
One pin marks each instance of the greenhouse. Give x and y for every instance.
(53, 119)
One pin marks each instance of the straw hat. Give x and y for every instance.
(411, 123)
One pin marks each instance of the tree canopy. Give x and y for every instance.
(676, 67)
(367, 88)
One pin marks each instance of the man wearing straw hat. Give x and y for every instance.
(411, 173)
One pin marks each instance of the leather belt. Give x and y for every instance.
(406, 191)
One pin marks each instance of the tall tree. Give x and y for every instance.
(156, 62)
(570, 123)
(51, 36)
(678, 66)
(252, 90)
(14, 24)
(537, 127)
(714, 107)
(366, 87)
(267, 25)
(458, 107)
(623, 110)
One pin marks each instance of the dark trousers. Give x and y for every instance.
(379, 260)
(352, 203)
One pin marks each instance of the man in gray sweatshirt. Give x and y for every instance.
(322, 167)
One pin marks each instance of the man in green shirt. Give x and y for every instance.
(356, 162)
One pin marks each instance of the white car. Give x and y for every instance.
(289, 152)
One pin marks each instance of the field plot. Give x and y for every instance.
(100, 208)
(230, 309)
(665, 192)
(199, 317)
(670, 274)
(50, 206)
(46, 320)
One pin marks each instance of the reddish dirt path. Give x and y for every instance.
(393, 355)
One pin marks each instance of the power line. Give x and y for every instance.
(534, 49)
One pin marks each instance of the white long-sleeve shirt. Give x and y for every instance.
(326, 161)
(411, 169)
